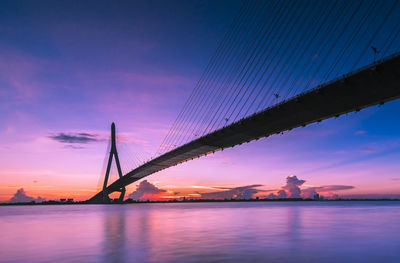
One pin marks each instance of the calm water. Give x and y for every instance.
(203, 232)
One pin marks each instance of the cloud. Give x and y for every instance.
(70, 146)
(282, 194)
(18, 73)
(242, 192)
(327, 188)
(226, 159)
(82, 138)
(21, 197)
(293, 189)
(308, 192)
(360, 132)
(293, 186)
(147, 191)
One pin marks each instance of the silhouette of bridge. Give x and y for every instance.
(277, 69)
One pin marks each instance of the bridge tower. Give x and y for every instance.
(113, 153)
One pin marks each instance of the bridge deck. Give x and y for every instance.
(377, 83)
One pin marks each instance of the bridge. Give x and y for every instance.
(279, 50)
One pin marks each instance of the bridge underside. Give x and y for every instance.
(369, 86)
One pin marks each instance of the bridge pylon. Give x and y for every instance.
(113, 153)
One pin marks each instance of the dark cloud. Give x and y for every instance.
(87, 134)
(21, 197)
(80, 138)
(146, 191)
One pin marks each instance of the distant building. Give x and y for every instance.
(317, 197)
(63, 200)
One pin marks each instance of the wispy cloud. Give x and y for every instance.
(366, 152)
(76, 147)
(328, 188)
(19, 75)
(129, 138)
(360, 132)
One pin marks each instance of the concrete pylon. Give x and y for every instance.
(113, 153)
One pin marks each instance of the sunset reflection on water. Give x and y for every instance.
(202, 232)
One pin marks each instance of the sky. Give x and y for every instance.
(68, 69)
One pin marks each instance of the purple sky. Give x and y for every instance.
(70, 68)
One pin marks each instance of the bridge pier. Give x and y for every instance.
(113, 153)
(122, 195)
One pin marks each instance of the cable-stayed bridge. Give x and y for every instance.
(281, 65)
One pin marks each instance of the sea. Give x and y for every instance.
(335, 231)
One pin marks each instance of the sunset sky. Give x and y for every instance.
(68, 69)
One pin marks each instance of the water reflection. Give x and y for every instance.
(294, 230)
(206, 232)
(114, 236)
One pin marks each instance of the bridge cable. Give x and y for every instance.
(376, 32)
(282, 41)
(235, 86)
(347, 44)
(185, 129)
(194, 92)
(237, 64)
(209, 94)
(100, 181)
(303, 53)
(288, 56)
(357, 44)
(217, 112)
(212, 63)
(223, 87)
(324, 37)
(329, 50)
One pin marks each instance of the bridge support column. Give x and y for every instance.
(122, 195)
(113, 153)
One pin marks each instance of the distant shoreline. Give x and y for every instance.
(130, 201)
